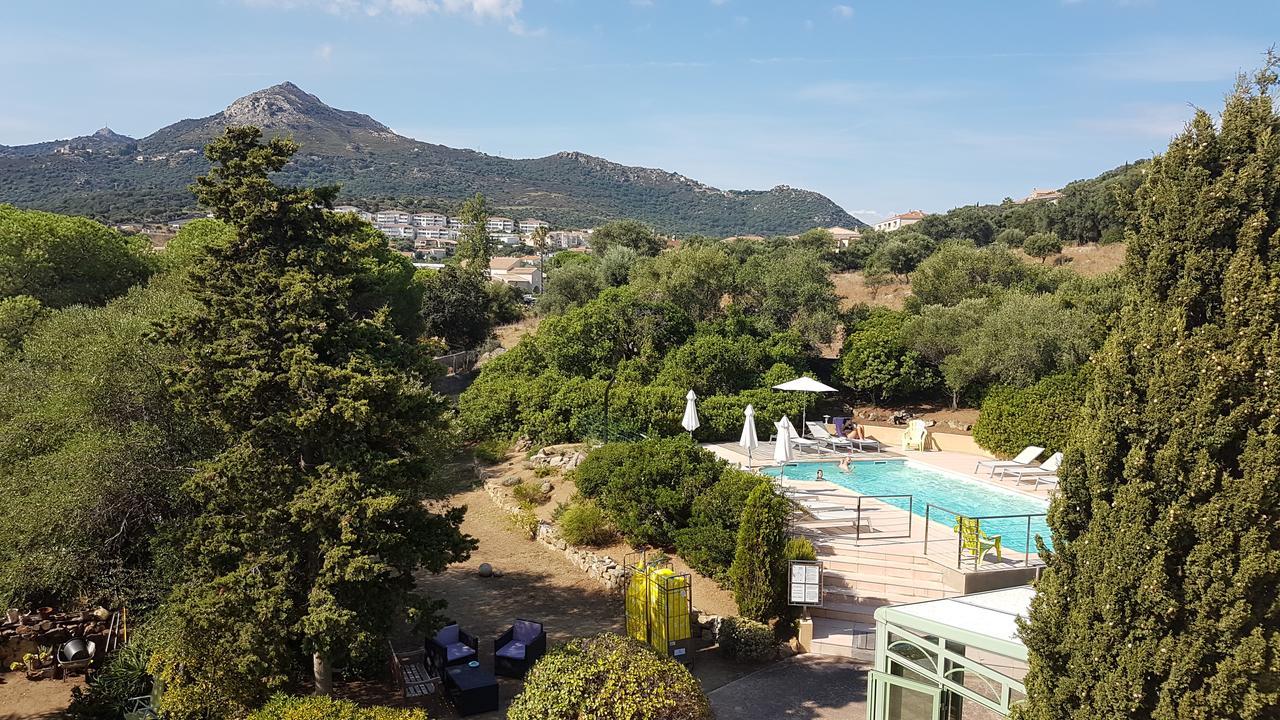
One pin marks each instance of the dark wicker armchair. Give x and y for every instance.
(517, 649)
(451, 646)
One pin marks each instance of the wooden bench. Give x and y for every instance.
(409, 670)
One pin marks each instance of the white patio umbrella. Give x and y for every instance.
(690, 420)
(804, 384)
(782, 448)
(749, 441)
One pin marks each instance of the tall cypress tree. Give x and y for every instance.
(1162, 595)
(310, 522)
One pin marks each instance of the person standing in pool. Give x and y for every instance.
(844, 463)
(819, 477)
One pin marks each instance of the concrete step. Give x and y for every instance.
(884, 586)
(905, 568)
(843, 638)
(870, 592)
(848, 609)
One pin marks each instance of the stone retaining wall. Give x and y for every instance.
(603, 569)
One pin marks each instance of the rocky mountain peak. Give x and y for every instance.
(288, 106)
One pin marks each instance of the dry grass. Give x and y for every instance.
(1087, 260)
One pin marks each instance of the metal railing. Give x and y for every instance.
(459, 362)
(857, 532)
(1027, 547)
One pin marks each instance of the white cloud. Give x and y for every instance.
(844, 12)
(325, 52)
(507, 11)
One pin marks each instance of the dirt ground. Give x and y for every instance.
(22, 699)
(708, 596)
(537, 583)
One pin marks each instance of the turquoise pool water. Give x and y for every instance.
(969, 497)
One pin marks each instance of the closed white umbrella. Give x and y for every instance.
(749, 441)
(782, 448)
(804, 384)
(690, 421)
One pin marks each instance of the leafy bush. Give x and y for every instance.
(1043, 414)
(525, 520)
(492, 451)
(878, 361)
(648, 487)
(745, 639)
(711, 538)
(606, 677)
(1042, 245)
(958, 271)
(585, 523)
(106, 692)
(543, 471)
(759, 571)
(315, 707)
(529, 493)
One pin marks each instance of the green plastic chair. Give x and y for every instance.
(975, 541)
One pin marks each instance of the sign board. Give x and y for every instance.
(804, 583)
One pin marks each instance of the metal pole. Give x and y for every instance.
(1026, 555)
(960, 543)
(857, 524)
(927, 506)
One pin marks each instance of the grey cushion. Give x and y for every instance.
(458, 650)
(513, 650)
(526, 631)
(448, 635)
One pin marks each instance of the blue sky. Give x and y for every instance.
(883, 106)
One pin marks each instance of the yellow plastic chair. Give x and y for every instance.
(916, 436)
(974, 541)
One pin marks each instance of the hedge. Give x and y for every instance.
(746, 639)
(609, 677)
(315, 707)
(1043, 414)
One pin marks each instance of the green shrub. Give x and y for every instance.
(759, 571)
(585, 524)
(648, 487)
(105, 694)
(878, 361)
(800, 549)
(525, 520)
(711, 538)
(746, 639)
(1042, 414)
(606, 677)
(529, 493)
(315, 707)
(543, 471)
(492, 451)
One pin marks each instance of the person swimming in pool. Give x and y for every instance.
(819, 476)
(844, 464)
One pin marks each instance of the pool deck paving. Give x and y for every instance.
(805, 687)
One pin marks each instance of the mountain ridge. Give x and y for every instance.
(115, 177)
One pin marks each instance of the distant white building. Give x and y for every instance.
(1040, 194)
(430, 220)
(392, 217)
(844, 236)
(568, 239)
(516, 271)
(529, 225)
(506, 238)
(399, 231)
(899, 221)
(500, 224)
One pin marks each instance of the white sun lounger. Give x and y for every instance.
(819, 432)
(1048, 467)
(1047, 480)
(1022, 459)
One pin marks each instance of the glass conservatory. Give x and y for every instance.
(950, 659)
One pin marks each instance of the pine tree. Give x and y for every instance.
(1160, 597)
(310, 523)
(759, 569)
(475, 247)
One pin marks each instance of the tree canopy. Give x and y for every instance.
(1158, 600)
(310, 524)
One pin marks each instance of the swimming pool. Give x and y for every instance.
(953, 492)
